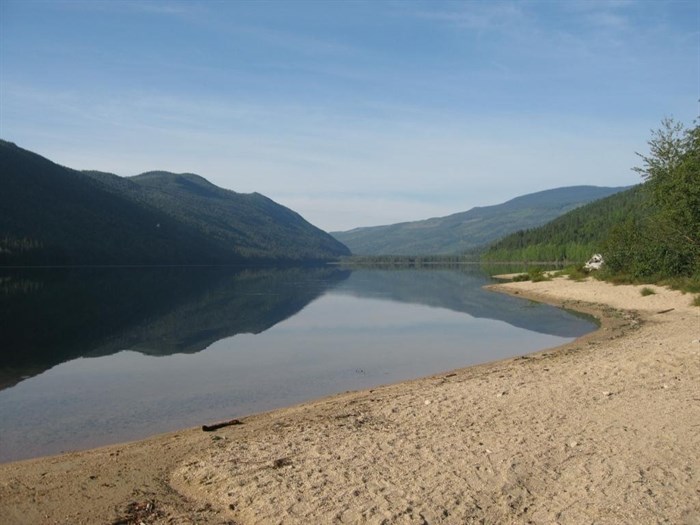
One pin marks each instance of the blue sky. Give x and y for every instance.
(351, 113)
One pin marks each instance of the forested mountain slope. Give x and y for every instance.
(254, 225)
(53, 215)
(574, 236)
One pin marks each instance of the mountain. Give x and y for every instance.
(255, 225)
(574, 236)
(54, 215)
(465, 231)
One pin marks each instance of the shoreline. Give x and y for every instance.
(495, 442)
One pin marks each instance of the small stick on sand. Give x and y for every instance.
(217, 426)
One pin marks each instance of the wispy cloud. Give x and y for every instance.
(477, 16)
(153, 7)
(162, 8)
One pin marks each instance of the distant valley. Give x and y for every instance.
(470, 230)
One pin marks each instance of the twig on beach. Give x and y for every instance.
(665, 311)
(217, 426)
(137, 512)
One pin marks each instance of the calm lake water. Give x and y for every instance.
(92, 357)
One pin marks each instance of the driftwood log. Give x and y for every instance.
(217, 426)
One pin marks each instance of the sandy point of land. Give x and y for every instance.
(603, 430)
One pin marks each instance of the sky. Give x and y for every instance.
(351, 113)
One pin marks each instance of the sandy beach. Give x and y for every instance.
(604, 430)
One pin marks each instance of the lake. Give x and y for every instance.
(97, 356)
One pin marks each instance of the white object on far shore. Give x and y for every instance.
(594, 263)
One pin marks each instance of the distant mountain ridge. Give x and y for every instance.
(472, 229)
(55, 215)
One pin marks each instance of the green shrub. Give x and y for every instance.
(578, 273)
(684, 284)
(646, 291)
(537, 275)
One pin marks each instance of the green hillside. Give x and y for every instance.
(575, 235)
(465, 231)
(53, 215)
(254, 225)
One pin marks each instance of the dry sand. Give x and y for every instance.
(603, 430)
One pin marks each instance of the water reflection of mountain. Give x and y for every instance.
(51, 316)
(462, 291)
